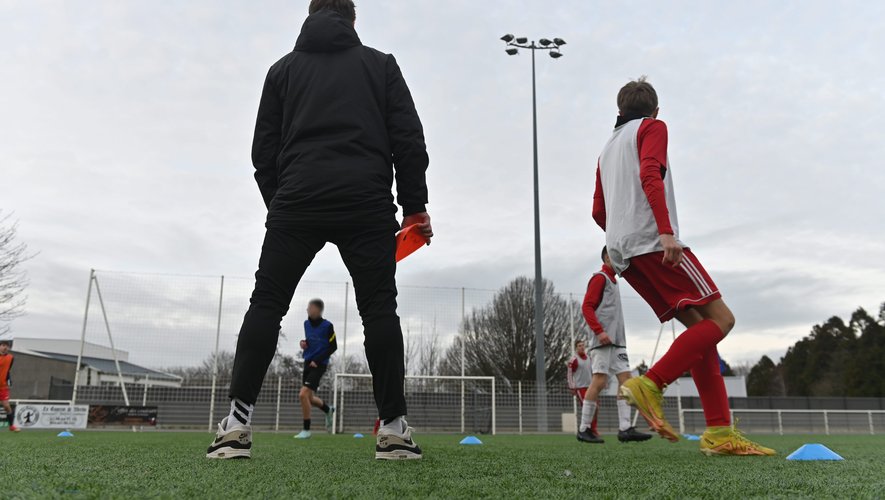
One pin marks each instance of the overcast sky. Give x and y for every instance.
(125, 131)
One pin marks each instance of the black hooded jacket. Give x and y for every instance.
(335, 120)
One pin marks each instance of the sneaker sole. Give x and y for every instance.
(714, 453)
(657, 424)
(229, 453)
(397, 455)
(634, 440)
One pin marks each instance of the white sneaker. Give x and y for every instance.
(390, 445)
(302, 435)
(235, 442)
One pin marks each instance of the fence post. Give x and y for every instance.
(335, 399)
(780, 423)
(870, 417)
(519, 403)
(463, 348)
(215, 356)
(82, 338)
(494, 414)
(339, 410)
(571, 320)
(826, 423)
(144, 396)
(276, 426)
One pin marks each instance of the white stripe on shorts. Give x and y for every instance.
(693, 277)
(692, 269)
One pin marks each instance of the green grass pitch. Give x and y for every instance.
(172, 465)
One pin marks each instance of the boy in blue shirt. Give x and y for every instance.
(318, 346)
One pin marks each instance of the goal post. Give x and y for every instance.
(436, 402)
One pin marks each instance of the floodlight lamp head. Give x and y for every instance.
(544, 42)
(522, 39)
(507, 38)
(555, 55)
(512, 51)
(559, 41)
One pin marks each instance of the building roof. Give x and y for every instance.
(107, 366)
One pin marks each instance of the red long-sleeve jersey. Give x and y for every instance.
(593, 298)
(651, 141)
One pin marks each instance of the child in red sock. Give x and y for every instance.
(635, 205)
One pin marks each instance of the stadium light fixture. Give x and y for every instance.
(522, 39)
(559, 41)
(545, 42)
(555, 55)
(512, 51)
(507, 38)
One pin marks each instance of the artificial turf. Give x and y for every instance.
(172, 465)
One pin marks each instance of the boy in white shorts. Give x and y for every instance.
(608, 352)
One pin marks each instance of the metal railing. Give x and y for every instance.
(825, 415)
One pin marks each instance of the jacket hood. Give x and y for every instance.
(326, 31)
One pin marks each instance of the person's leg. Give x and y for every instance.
(285, 255)
(591, 402)
(694, 343)
(305, 396)
(369, 254)
(10, 416)
(624, 421)
(706, 373)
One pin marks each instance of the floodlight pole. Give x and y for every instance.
(540, 356)
(540, 368)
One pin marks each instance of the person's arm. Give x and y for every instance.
(573, 364)
(652, 143)
(406, 135)
(592, 299)
(267, 140)
(599, 201)
(333, 344)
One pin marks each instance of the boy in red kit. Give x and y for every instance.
(635, 205)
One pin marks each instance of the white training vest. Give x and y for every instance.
(630, 227)
(610, 315)
(581, 377)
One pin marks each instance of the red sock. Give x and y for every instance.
(711, 387)
(595, 415)
(685, 352)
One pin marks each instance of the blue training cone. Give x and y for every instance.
(65, 434)
(471, 440)
(358, 435)
(814, 451)
(691, 437)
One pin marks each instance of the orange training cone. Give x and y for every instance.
(408, 240)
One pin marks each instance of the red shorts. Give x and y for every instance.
(670, 289)
(581, 391)
(4, 393)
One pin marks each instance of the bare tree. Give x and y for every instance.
(500, 338)
(13, 278)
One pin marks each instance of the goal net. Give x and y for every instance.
(436, 403)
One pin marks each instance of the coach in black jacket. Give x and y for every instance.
(336, 125)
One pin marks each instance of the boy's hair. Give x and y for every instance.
(318, 303)
(345, 8)
(604, 253)
(6, 343)
(578, 341)
(637, 97)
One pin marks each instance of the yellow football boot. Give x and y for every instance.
(730, 441)
(644, 395)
